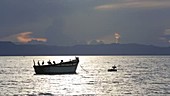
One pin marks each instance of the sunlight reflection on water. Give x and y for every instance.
(136, 75)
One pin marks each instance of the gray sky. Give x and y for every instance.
(71, 22)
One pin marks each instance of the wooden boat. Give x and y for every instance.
(113, 69)
(68, 67)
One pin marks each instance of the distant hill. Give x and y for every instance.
(11, 49)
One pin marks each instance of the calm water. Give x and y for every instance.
(136, 75)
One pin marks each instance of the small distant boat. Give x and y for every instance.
(113, 69)
(68, 67)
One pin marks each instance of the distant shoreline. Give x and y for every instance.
(11, 49)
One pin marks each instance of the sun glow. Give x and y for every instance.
(117, 37)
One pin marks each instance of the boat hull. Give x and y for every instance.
(60, 68)
(110, 70)
(55, 69)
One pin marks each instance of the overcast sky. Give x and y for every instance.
(71, 22)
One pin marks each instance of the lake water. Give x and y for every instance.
(136, 75)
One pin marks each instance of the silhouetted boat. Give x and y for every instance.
(113, 69)
(68, 67)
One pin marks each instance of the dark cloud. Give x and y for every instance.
(55, 34)
(38, 16)
(18, 12)
(66, 22)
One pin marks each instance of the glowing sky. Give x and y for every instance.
(71, 22)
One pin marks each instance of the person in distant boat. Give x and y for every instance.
(34, 62)
(61, 61)
(38, 63)
(54, 62)
(43, 63)
(49, 62)
(114, 67)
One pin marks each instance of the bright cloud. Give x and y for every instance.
(25, 38)
(167, 32)
(165, 36)
(135, 4)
